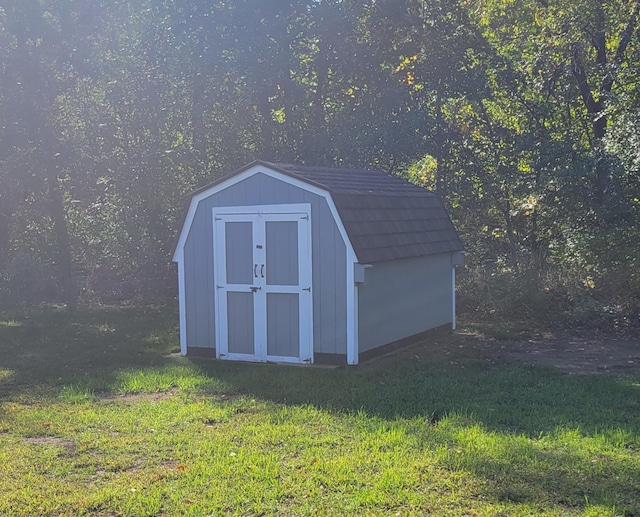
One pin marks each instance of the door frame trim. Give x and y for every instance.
(306, 352)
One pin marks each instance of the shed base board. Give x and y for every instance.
(205, 353)
(341, 359)
(389, 348)
(332, 359)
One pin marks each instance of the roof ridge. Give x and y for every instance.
(351, 181)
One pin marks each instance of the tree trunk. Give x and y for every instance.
(442, 179)
(266, 127)
(198, 106)
(318, 132)
(6, 216)
(64, 260)
(596, 106)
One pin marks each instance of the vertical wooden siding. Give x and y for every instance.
(328, 262)
(402, 298)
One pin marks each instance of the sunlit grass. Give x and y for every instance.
(102, 422)
(7, 376)
(10, 323)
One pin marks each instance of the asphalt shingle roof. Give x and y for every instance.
(386, 218)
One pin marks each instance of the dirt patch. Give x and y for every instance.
(133, 398)
(570, 353)
(68, 447)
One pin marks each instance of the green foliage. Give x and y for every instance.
(522, 115)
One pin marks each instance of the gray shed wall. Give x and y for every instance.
(328, 262)
(404, 297)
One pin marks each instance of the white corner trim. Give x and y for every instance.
(453, 298)
(352, 324)
(352, 310)
(182, 307)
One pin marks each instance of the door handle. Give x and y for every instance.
(255, 270)
(262, 270)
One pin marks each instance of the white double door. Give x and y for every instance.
(263, 299)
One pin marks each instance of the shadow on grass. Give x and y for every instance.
(57, 348)
(50, 348)
(532, 435)
(523, 400)
(525, 411)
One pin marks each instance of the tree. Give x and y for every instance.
(41, 57)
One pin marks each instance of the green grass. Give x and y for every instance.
(95, 419)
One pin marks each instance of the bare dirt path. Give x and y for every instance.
(569, 352)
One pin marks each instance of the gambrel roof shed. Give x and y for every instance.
(272, 259)
(386, 218)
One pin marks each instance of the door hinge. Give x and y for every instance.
(219, 286)
(305, 217)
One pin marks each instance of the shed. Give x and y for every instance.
(298, 264)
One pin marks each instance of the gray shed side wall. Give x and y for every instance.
(328, 262)
(404, 297)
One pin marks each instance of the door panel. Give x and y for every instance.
(283, 325)
(239, 252)
(240, 327)
(282, 252)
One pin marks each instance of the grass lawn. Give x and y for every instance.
(96, 419)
